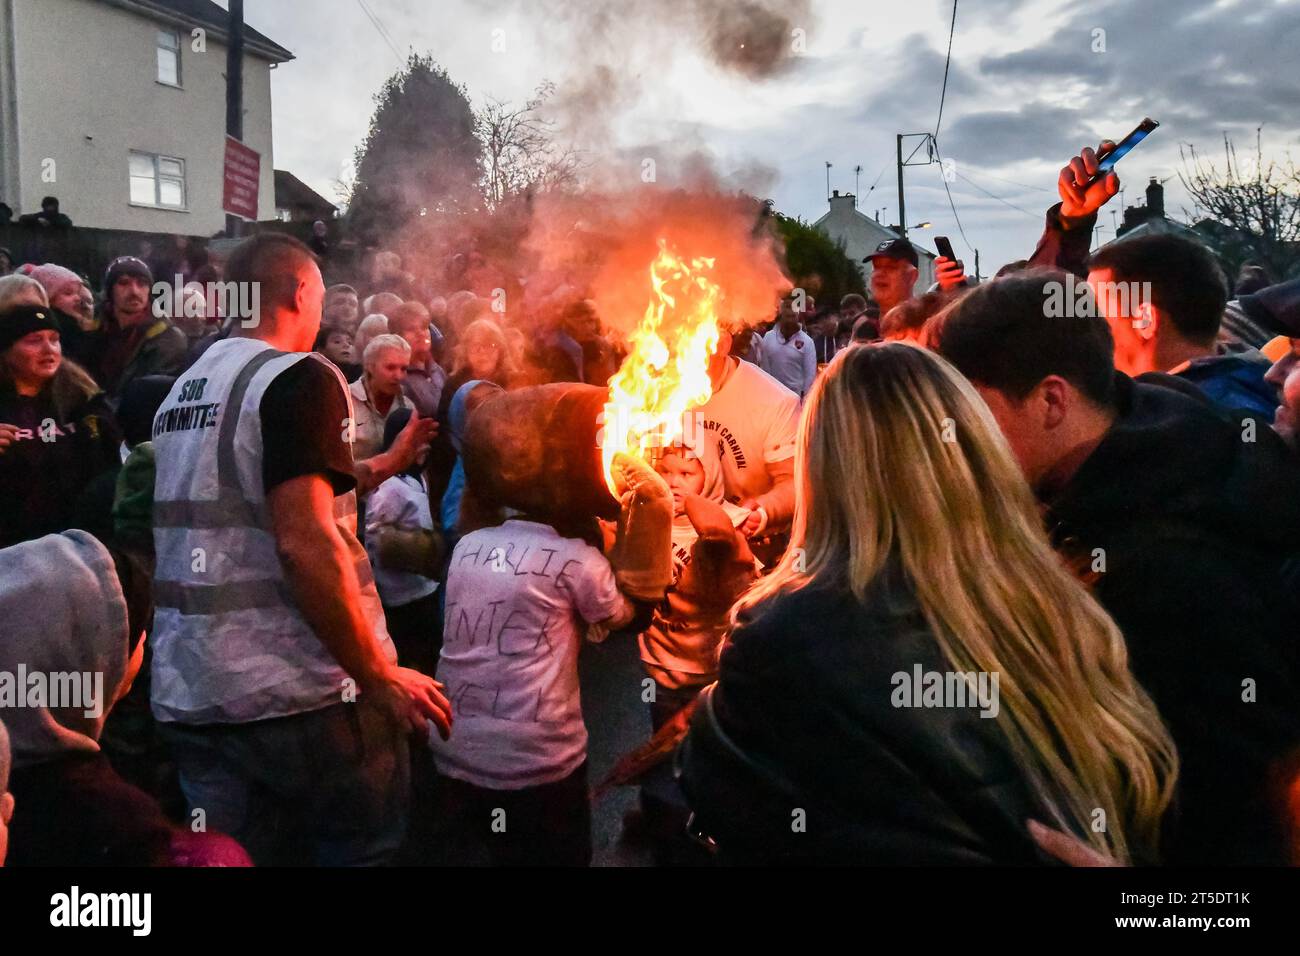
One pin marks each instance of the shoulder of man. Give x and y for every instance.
(311, 375)
(164, 337)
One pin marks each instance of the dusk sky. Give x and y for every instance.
(1031, 81)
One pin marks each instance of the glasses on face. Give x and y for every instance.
(490, 347)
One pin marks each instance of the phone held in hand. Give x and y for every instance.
(942, 244)
(1107, 162)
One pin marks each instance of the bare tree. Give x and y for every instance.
(344, 184)
(520, 153)
(1255, 207)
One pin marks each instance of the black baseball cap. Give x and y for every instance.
(894, 249)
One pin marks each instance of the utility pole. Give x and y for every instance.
(926, 140)
(977, 266)
(828, 180)
(857, 173)
(235, 92)
(902, 214)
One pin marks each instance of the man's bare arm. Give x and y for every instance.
(374, 471)
(321, 575)
(777, 501)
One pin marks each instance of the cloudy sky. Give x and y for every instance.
(1031, 81)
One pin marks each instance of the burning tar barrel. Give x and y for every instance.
(535, 450)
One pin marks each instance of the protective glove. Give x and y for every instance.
(418, 551)
(721, 566)
(642, 553)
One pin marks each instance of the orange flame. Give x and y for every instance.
(666, 371)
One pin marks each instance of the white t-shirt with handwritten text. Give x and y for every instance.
(519, 599)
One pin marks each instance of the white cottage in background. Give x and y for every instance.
(112, 99)
(861, 235)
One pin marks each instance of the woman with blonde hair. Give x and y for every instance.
(920, 675)
(482, 353)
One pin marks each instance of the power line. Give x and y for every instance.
(952, 205)
(1041, 189)
(943, 94)
(956, 218)
(383, 27)
(952, 28)
(877, 182)
(379, 28)
(998, 198)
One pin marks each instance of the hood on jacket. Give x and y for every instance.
(458, 410)
(1171, 456)
(64, 625)
(1235, 382)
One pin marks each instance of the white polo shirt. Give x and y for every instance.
(368, 436)
(792, 361)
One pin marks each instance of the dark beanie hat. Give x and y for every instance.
(23, 320)
(126, 266)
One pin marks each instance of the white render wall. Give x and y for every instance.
(861, 234)
(87, 95)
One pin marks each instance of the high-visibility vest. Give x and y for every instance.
(229, 642)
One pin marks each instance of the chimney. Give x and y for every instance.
(847, 200)
(1156, 198)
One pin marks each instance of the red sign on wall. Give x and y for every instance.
(243, 177)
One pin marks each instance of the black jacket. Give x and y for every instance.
(1195, 514)
(41, 478)
(805, 721)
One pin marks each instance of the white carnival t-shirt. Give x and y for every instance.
(754, 420)
(519, 599)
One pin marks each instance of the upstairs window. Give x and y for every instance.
(157, 181)
(169, 57)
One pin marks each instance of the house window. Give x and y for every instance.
(157, 181)
(169, 57)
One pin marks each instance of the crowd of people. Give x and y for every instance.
(335, 567)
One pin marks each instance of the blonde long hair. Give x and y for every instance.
(899, 456)
(491, 331)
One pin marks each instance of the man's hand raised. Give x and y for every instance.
(1077, 197)
(412, 439)
(951, 273)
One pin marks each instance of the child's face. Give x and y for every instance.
(685, 476)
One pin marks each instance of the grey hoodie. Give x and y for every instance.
(63, 624)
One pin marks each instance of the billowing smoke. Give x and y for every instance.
(750, 37)
(638, 186)
(753, 38)
(609, 53)
(601, 245)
